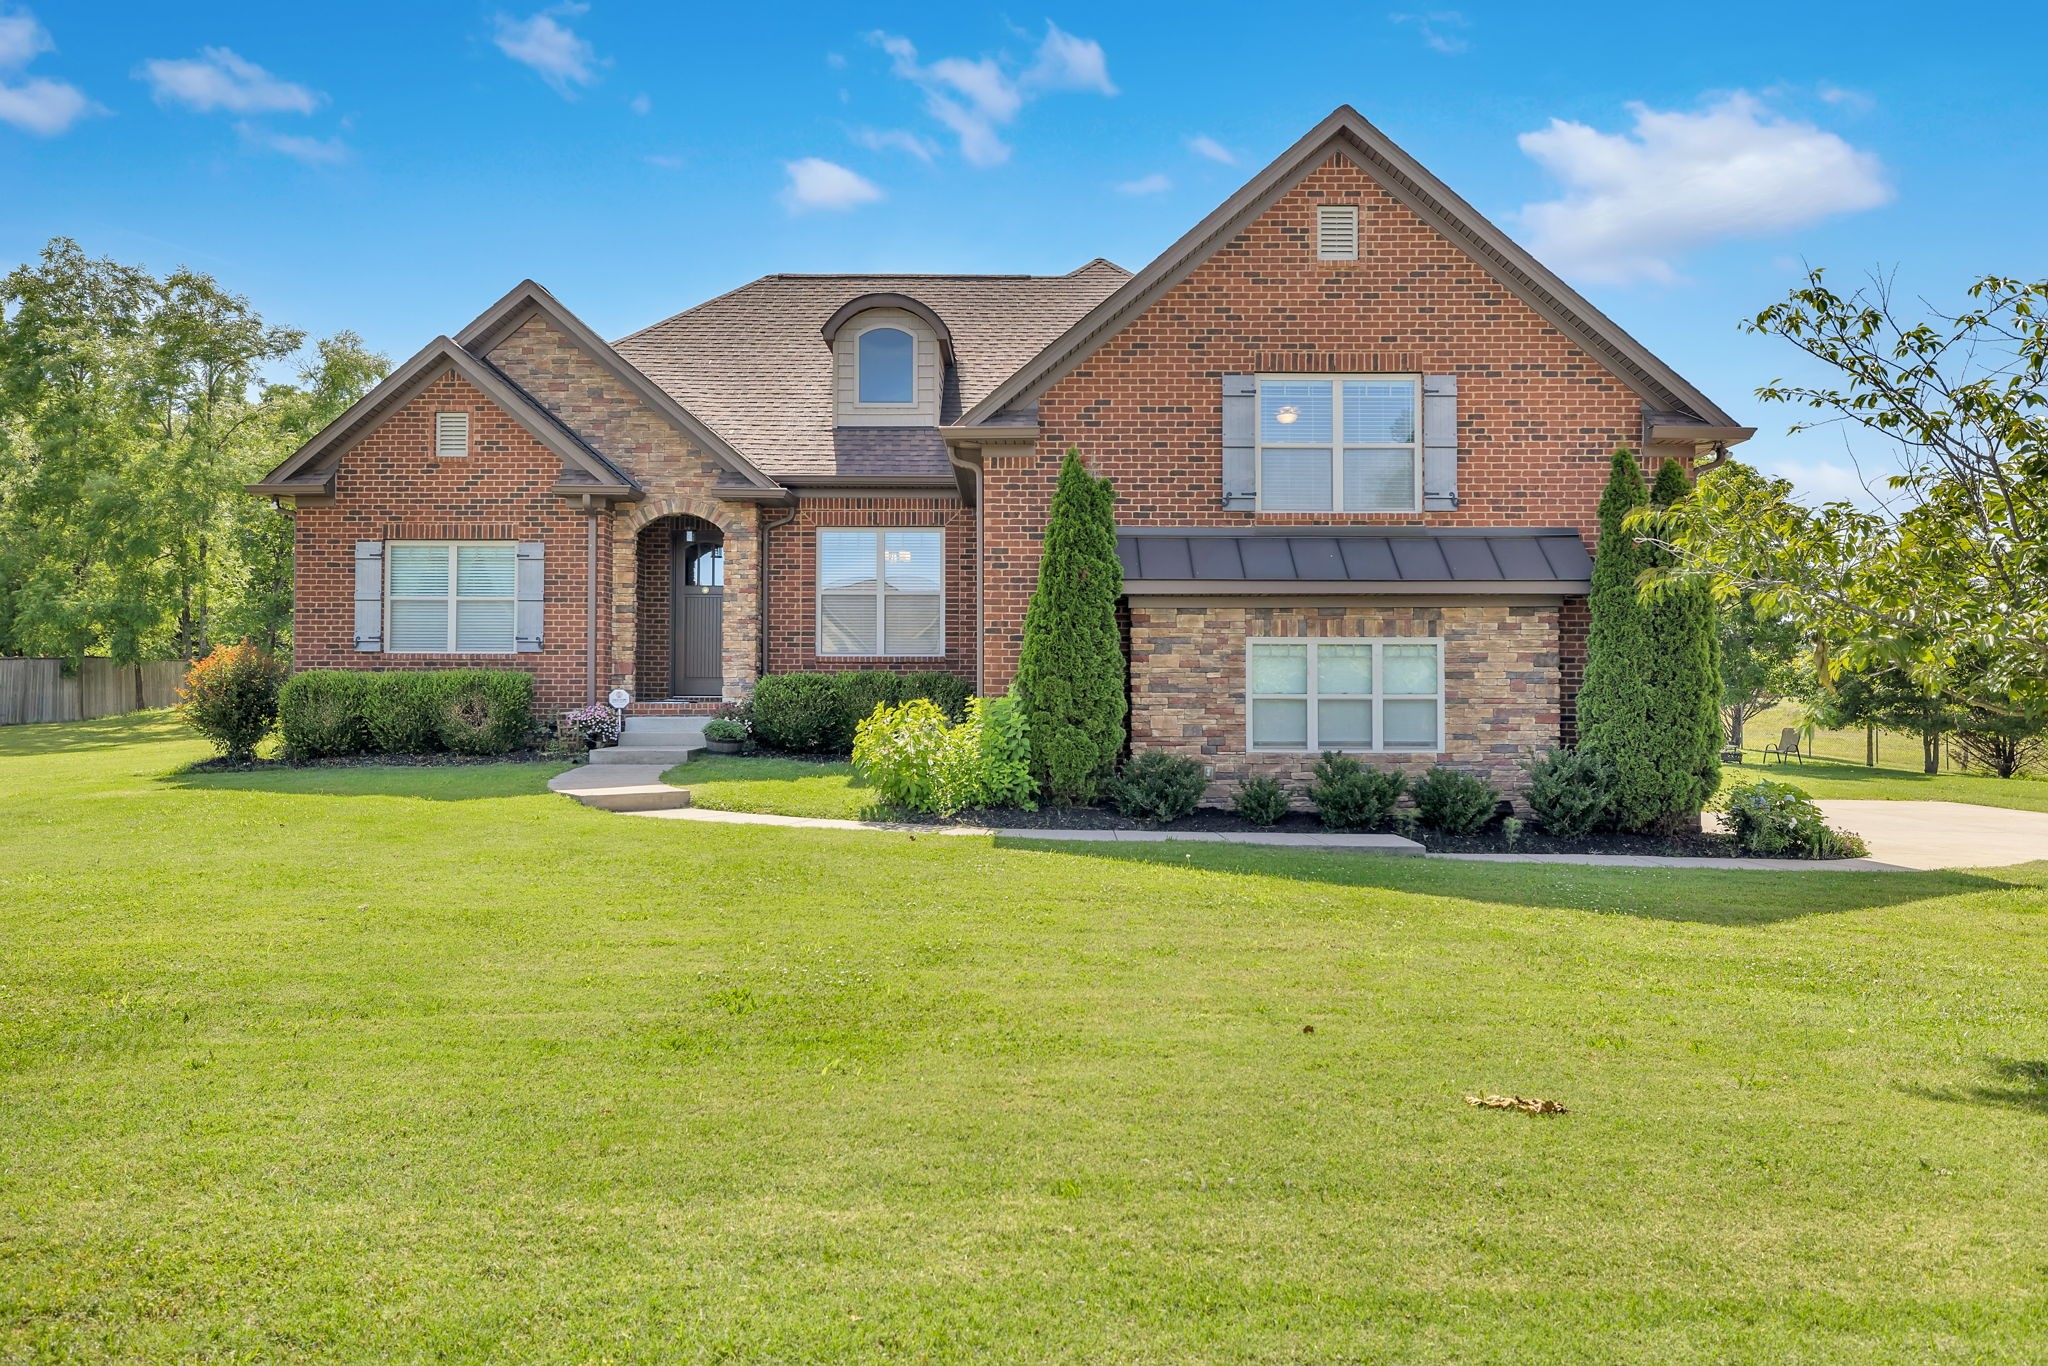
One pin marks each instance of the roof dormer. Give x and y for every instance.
(889, 357)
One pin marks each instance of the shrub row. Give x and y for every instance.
(325, 713)
(1349, 796)
(817, 712)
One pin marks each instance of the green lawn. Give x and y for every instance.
(381, 1063)
(783, 787)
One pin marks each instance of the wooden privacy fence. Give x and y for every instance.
(39, 689)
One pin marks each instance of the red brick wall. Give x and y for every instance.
(792, 578)
(1538, 418)
(390, 487)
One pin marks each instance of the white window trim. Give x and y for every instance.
(819, 592)
(453, 596)
(1337, 443)
(1378, 697)
(916, 365)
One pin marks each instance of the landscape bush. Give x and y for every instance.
(399, 713)
(1005, 746)
(949, 691)
(1571, 791)
(323, 713)
(859, 692)
(1350, 796)
(725, 730)
(801, 712)
(230, 697)
(483, 711)
(1262, 801)
(1453, 802)
(1776, 818)
(915, 760)
(1157, 786)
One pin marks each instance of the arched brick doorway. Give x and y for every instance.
(679, 611)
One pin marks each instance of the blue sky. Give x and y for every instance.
(394, 172)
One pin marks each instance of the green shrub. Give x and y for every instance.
(325, 712)
(1350, 796)
(1157, 786)
(399, 713)
(230, 697)
(1453, 802)
(800, 712)
(1262, 801)
(914, 760)
(483, 711)
(1005, 746)
(725, 730)
(1775, 818)
(948, 690)
(859, 692)
(1571, 791)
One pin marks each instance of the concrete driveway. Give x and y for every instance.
(1942, 834)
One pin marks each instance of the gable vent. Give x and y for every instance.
(1337, 232)
(451, 434)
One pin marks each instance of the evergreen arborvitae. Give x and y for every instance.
(1070, 672)
(1685, 656)
(1614, 703)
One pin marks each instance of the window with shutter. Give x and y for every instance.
(451, 435)
(1339, 444)
(451, 597)
(881, 593)
(1337, 232)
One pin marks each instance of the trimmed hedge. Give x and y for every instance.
(326, 713)
(817, 712)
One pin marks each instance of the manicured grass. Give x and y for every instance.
(782, 787)
(1821, 779)
(335, 1072)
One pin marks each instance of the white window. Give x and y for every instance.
(451, 597)
(1337, 232)
(887, 361)
(1339, 693)
(451, 435)
(881, 592)
(1348, 444)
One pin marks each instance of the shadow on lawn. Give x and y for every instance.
(482, 781)
(107, 732)
(1704, 896)
(2017, 1084)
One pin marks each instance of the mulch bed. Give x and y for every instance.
(524, 756)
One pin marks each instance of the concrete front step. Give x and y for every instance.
(665, 753)
(666, 727)
(614, 787)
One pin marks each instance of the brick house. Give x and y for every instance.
(1358, 438)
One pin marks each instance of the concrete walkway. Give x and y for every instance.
(1903, 836)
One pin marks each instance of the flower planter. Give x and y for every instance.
(725, 746)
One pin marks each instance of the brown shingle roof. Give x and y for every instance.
(753, 367)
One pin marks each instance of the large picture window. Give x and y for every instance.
(452, 597)
(1340, 445)
(1384, 695)
(881, 592)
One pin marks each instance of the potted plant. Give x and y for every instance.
(723, 735)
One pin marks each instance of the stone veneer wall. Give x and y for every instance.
(679, 476)
(1501, 686)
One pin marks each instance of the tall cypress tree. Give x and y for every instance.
(1614, 703)
(1685, 657)
(1070, 672)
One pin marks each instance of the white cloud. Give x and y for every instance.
(38, 105)
(897, 140)
(1854, 101)
(1202, 145)
(219, 79)
(543, 42)
(1634, 201)
(977, 97)
(641, 105)
(22, 40)
(815, 183)
(1440, 29)
(1156, 183)
(308, 151)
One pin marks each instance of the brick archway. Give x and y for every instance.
(740, 526)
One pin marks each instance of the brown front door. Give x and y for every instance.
(697, 614)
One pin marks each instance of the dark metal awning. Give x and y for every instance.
(1492, 561)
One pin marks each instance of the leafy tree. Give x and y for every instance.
(1685, 677)
(1615, 700)
(1891, 699)
(1955, 561)
(1760, 662)
(1070, 671)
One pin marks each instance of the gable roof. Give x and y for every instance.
(1346, 133)
(527, 298)
(310, 469)
(755, 366)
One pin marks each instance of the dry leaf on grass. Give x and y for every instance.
(1526, 1104)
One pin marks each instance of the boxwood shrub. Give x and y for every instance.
(483, 711)
(400, 713)
(330, 712)
(817, 712)
(324, 712)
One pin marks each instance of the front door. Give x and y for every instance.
(697, 613)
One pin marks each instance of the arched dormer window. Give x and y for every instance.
(887, 366)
